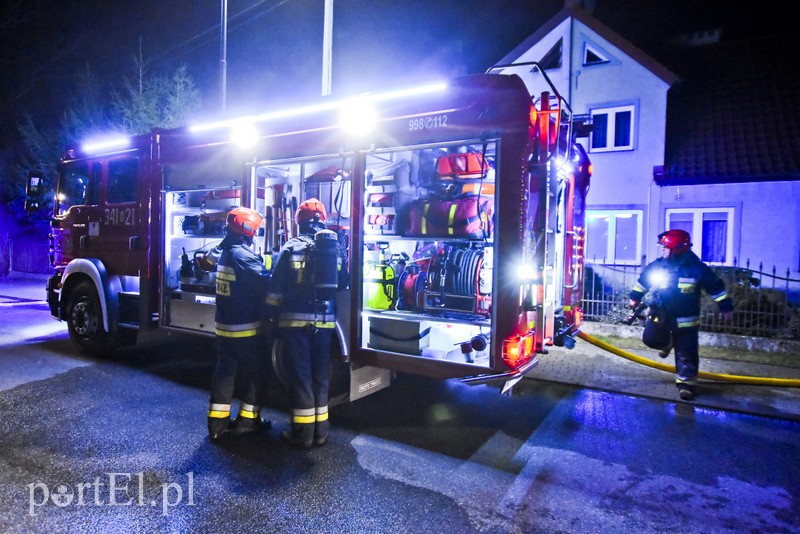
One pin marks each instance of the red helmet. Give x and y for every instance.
(308, 210)
(676, 240)
(244, 221)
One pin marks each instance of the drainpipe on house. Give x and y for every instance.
(650, 194)
(569, 85)
(653, 218)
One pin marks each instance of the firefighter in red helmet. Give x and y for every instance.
(674, 241)
(305, 314)
(675, 282)
(241, 286)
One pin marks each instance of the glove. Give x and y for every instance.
(634, 305)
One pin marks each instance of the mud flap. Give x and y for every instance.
(506, 389)
(365, 380)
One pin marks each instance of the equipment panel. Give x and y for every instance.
(194, 223)
(428, 258)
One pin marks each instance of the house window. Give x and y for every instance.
(552, 59)
(614, 236)
(711, 230)
(613, 129)
(593, 56)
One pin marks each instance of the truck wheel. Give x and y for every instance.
(85, 320)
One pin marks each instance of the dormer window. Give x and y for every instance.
(552, 59)
(593, 56)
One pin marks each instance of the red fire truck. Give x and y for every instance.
(460, 206)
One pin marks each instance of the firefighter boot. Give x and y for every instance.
(321, 427)
(302, 429)
(249, 420)
(296, 440)
(219, 420)
(685, 392)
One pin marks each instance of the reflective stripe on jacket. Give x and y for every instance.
(677, 283)
(241, 284)
(292, 298)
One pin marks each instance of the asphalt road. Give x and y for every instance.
(119, 445)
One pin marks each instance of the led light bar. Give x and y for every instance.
(324, 106)
(106, 145)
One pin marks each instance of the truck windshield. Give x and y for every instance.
(72, 187)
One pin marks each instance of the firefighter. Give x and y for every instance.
(242, 282)
(305, 314)
(675, 281)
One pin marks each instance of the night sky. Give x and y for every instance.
(274, 46)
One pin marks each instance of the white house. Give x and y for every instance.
(671, 151)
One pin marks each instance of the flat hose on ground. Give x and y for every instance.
(752, 380)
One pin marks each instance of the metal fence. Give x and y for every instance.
(766, 304)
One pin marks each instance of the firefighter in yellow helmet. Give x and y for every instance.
(307, 273)
(242, 282)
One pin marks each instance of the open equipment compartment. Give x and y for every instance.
(196, 200)
(427, 262)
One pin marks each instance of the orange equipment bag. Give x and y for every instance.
(464, 217)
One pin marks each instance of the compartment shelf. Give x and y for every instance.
(373, 238)
(467, 319)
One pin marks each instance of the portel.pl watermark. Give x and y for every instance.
(112, 489)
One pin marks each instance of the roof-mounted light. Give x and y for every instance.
(403, 93)
(358, 117)
(264, 117)
(109, 144)
(244, 135)
(323, 106)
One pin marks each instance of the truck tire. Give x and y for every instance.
(85, 320)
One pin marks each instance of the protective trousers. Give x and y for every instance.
(242, 355)
(687, 357)
(308, 361)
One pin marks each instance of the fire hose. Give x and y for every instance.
(738, 379)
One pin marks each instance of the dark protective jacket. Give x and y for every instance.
(292, 299)
(676, 283)
(242, 282)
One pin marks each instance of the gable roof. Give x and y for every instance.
(733, 114)
(736, 115)
(604, 31)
